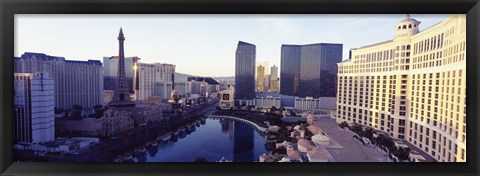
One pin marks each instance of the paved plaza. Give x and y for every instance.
(346, 148)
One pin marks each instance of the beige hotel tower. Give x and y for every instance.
(411, 87)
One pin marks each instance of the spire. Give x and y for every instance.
(120, 35)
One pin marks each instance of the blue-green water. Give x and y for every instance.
(217, 138)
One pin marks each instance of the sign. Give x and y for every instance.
(226, 96)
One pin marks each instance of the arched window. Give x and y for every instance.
(409, 26)
(414, 25)
(438, 41)
(404, 27)
(408, 47)
(431, 43)
(399, 27)
(441, 42)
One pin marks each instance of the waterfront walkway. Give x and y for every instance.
(259, 128)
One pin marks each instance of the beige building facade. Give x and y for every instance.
(412, 87)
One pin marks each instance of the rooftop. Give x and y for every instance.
(375, 44)
(244, 43)
(209, 80)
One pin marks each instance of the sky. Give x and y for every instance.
(201, 45)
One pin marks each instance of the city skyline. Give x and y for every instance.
(154, 38)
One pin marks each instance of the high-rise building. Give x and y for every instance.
(318, 70)
(110, 67)
(260, 78)
(273, 85)
(34, 107)
(244, 73)
(76, 82)
(153, 80)
(309, 70)
(121, 95)
(412, 87)
(290, 69)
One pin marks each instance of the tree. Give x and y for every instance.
(403, 153)
(99, 110)
(368, 133)
(273, 109)
(343, 125)
(357, 128)
(280, 150)
(308, 134)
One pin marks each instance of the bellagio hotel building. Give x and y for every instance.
(411, 87)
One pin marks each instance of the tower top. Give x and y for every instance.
(406, 28)
(120, 35)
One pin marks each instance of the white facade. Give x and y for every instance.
(268, 102)
(226, 98)
(110, 65)
(310, 103)
(183, 87)
(34, 107)
(153, 80)
(76, 82)
(412, 87)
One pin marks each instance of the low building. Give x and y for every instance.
(321, 139)
(203, 85)
(294, 155)
(183, 87)
(226, 98)
(64, 145)
(310, 103)
(305, 145)
(115, 122)
(268, 102)
(85, 126)
(315, 129)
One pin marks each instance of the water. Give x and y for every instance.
(217, 138)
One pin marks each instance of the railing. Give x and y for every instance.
(259, 128)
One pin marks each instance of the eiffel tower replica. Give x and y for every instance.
(121, 96)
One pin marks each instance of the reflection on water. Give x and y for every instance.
(214, 139)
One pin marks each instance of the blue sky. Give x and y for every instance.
(202, 45)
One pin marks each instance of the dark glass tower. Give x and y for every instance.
(318, 70)
(290, 69)
(121, 96)
(245, 71)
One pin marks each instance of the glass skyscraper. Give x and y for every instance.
(245, 71)
(310, 70)
(318, 69)
(290, 69)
